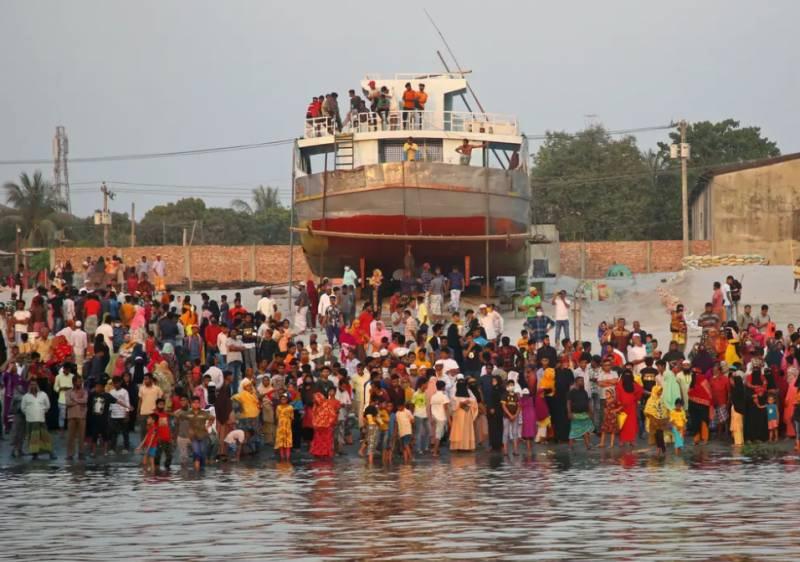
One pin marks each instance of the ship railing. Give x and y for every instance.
(413, 120)
(411, 76)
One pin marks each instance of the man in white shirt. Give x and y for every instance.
(561, 316)
(107, 332)
(215, 372)
(62, 384)
(119, 416)
(636, 353)
(22, 318)
(68, 308)
(266, 305)
(222, 346)
(487, 322)
(79, 341)
(583, 371)
(322, 307)
(440, 405)
(159, 270)
(35, 405)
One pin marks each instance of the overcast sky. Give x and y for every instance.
(152, 76)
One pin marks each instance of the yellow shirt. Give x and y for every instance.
(422, 314)
(797, 272)
(383, 420)
(249, 402)
(410, 148)
(678, 419)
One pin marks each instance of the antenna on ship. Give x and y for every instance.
(455, 60)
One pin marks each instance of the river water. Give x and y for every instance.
(555, 505)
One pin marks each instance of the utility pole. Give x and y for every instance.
(16, 254)
(133, 225)
(682, 151)
(106, 219)
(60, 171)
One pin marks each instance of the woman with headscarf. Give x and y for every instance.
(313, 302)
(378, 334)
(250, 410)
(307, 396)
(494, 413)
(465, 410)
(166, 382)
(700, 406)
(480, 423)
(326, 414)
(671, 389)
(656, 418)
(629, 393)
(738, 408)
(565, 378)
(755, 419)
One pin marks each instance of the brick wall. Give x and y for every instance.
(264, 264)
(640, 256)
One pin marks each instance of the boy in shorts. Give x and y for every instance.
(404, 420)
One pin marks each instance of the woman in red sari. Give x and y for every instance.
(313, 302)
(326, 413)
(700, 405)
(629, 394)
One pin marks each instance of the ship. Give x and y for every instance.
(361, 202)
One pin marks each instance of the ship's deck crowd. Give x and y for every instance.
(91, 361)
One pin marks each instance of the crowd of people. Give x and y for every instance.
(105, 364)
(376, 110)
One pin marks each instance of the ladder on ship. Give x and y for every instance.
(344, 151)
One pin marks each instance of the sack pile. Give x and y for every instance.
(699, 262)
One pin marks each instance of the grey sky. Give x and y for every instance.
(150, 76)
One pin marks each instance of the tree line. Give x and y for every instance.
(596, 187)
(40, 213)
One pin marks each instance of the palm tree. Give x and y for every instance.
(35, 205)
(264, 199)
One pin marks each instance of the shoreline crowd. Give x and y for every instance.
(116, 361)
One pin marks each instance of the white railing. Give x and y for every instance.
(416, 76)
(455, 121)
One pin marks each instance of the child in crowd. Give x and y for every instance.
(150, 443)
(677, 418)
(283, 434)
(234, 441)
(510, 406)
(772, 417)
(610, 425)
(404, 420)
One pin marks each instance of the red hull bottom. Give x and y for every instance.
(327, 256)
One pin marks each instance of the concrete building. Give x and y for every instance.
(750, 208)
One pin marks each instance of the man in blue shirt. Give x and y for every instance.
(455, 284)
(539, 325)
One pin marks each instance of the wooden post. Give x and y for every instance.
(583, 259)
(648, 256)
(467, 267)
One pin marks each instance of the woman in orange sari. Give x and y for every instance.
(326, 413)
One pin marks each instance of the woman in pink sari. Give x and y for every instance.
(379, 333)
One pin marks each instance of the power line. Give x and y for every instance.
(152, 155)
(544, 136)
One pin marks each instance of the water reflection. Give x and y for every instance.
(552, 505)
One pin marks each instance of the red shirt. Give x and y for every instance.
(163, 432)
(236, 312)
(720, 390)
(91, 308)
(212, 331)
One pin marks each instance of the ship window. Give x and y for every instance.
(429, 151)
